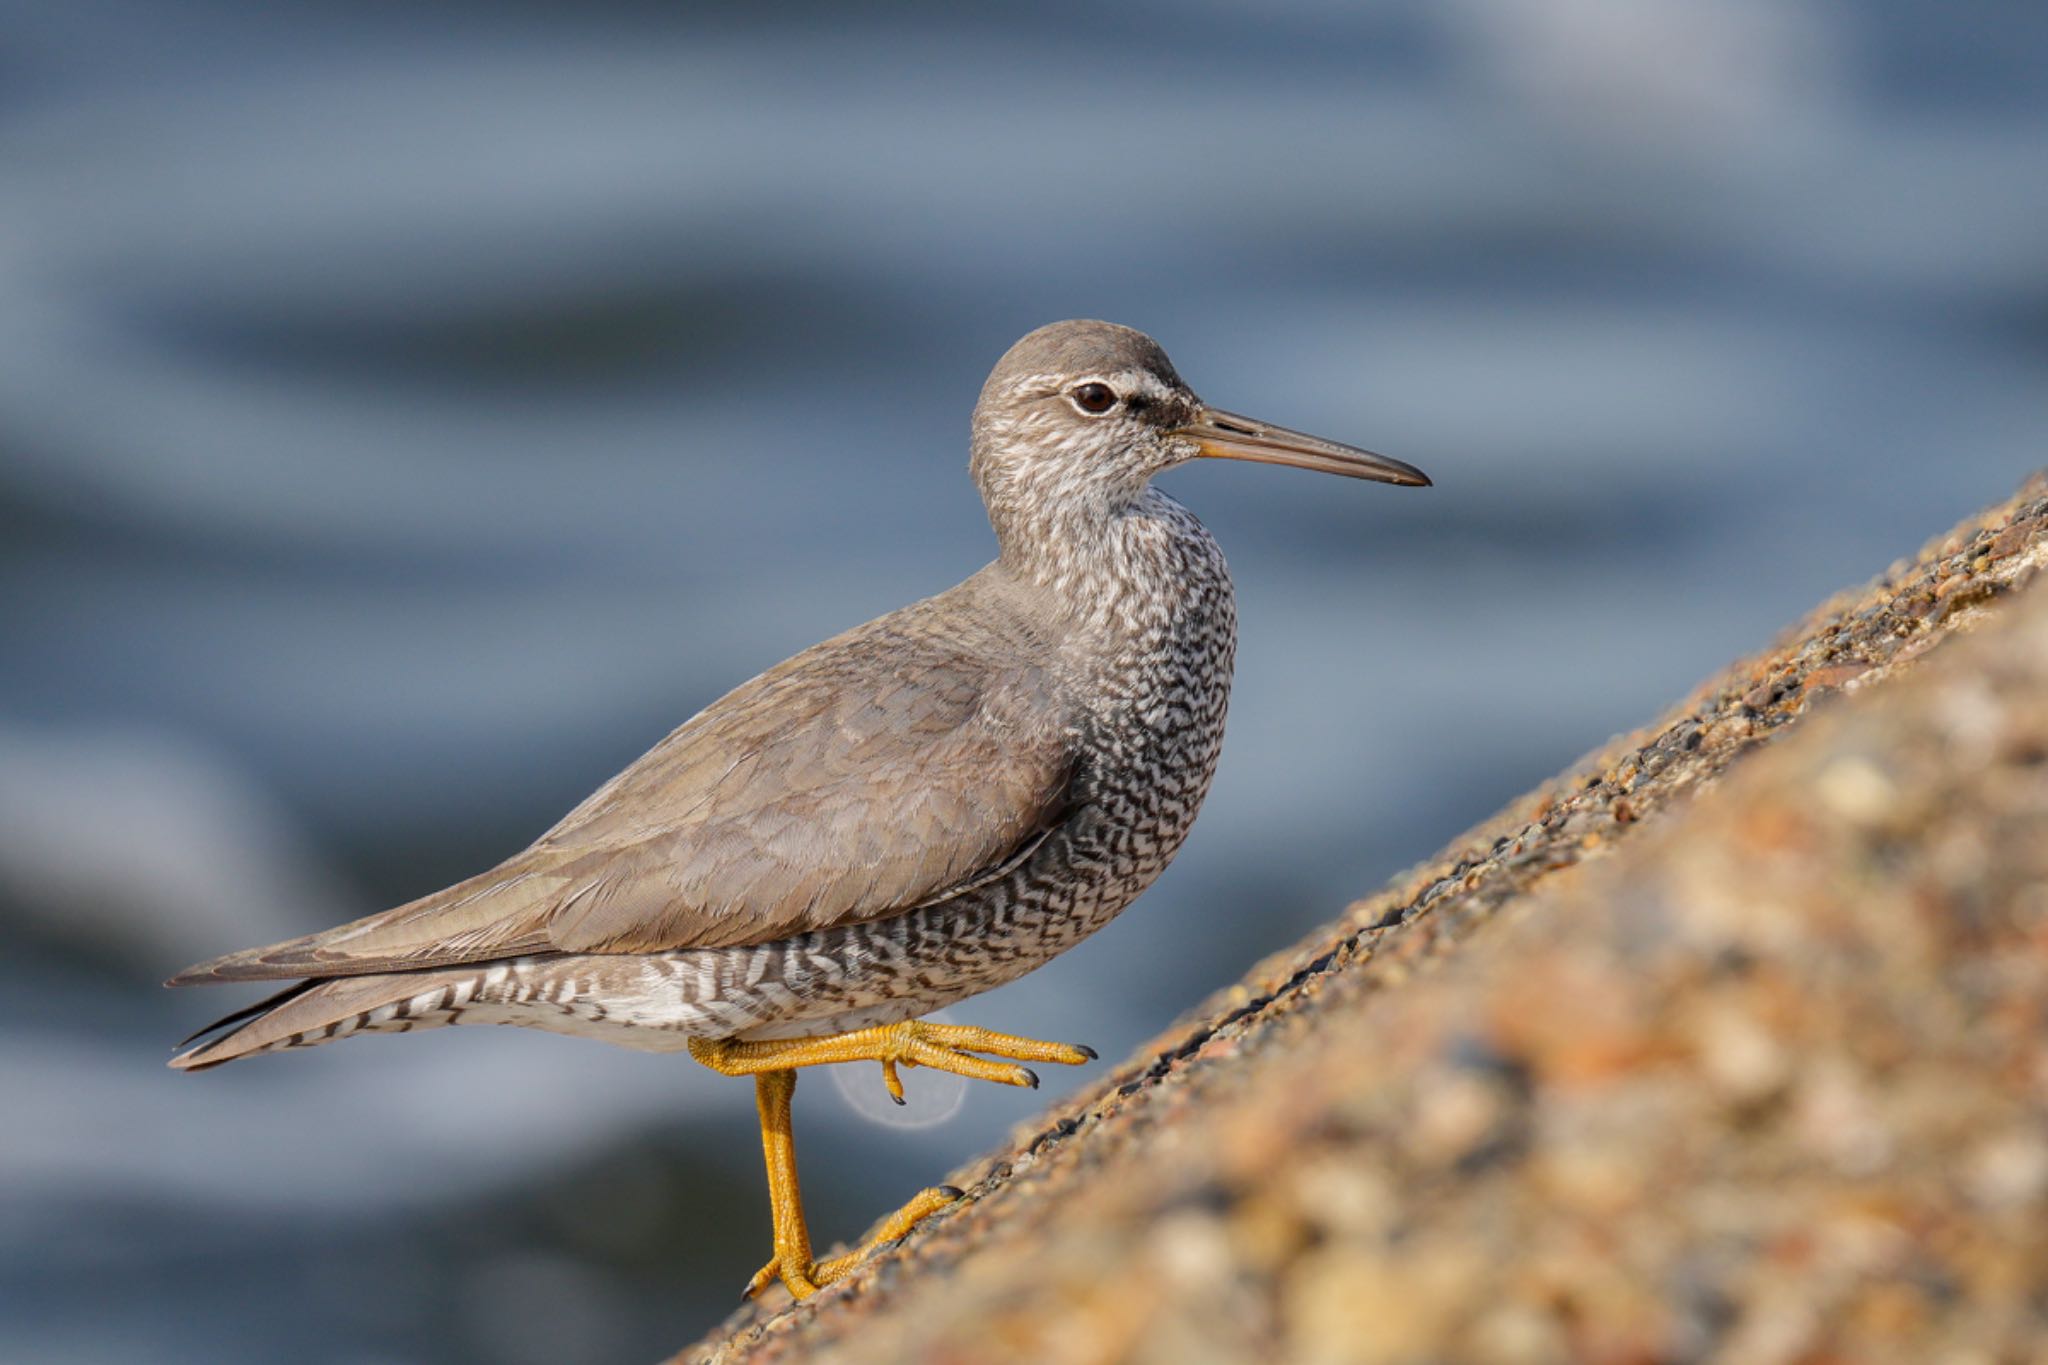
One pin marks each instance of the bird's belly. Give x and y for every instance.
(908, 965)
(646, 1033)
(810, 984)
(653, 1002)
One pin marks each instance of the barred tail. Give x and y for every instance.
(319, 1011)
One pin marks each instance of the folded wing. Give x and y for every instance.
(883, 769)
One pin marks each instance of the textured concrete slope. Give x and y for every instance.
(1665, 1062)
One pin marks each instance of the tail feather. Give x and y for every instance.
(268, 1002)
(319, 1011)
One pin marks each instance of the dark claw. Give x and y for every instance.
(952, 1191)
(1031, 1077)
(1086, 1051)
(898, 1100)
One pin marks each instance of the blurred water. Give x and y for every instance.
(406, 419)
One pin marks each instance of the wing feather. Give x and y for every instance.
(886, 768)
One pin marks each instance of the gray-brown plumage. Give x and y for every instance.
(915, 811)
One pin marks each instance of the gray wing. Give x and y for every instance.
(886, 768)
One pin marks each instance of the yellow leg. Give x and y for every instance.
(792, 1260)
(945, 1047)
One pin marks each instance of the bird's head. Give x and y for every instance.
(1078, 416)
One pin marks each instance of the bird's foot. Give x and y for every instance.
(913, 1042)
(804, 1280)
(773, 1064)
(952, 1047)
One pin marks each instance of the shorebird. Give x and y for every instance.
(906, 815)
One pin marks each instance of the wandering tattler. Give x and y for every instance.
(908, 814)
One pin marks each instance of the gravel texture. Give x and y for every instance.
(1666, 1062)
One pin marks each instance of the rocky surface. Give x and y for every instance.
(1666, 1062)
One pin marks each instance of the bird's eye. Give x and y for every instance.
(1093, 397)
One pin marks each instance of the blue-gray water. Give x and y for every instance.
(406, 417)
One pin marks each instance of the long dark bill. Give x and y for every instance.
(1227, 436)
